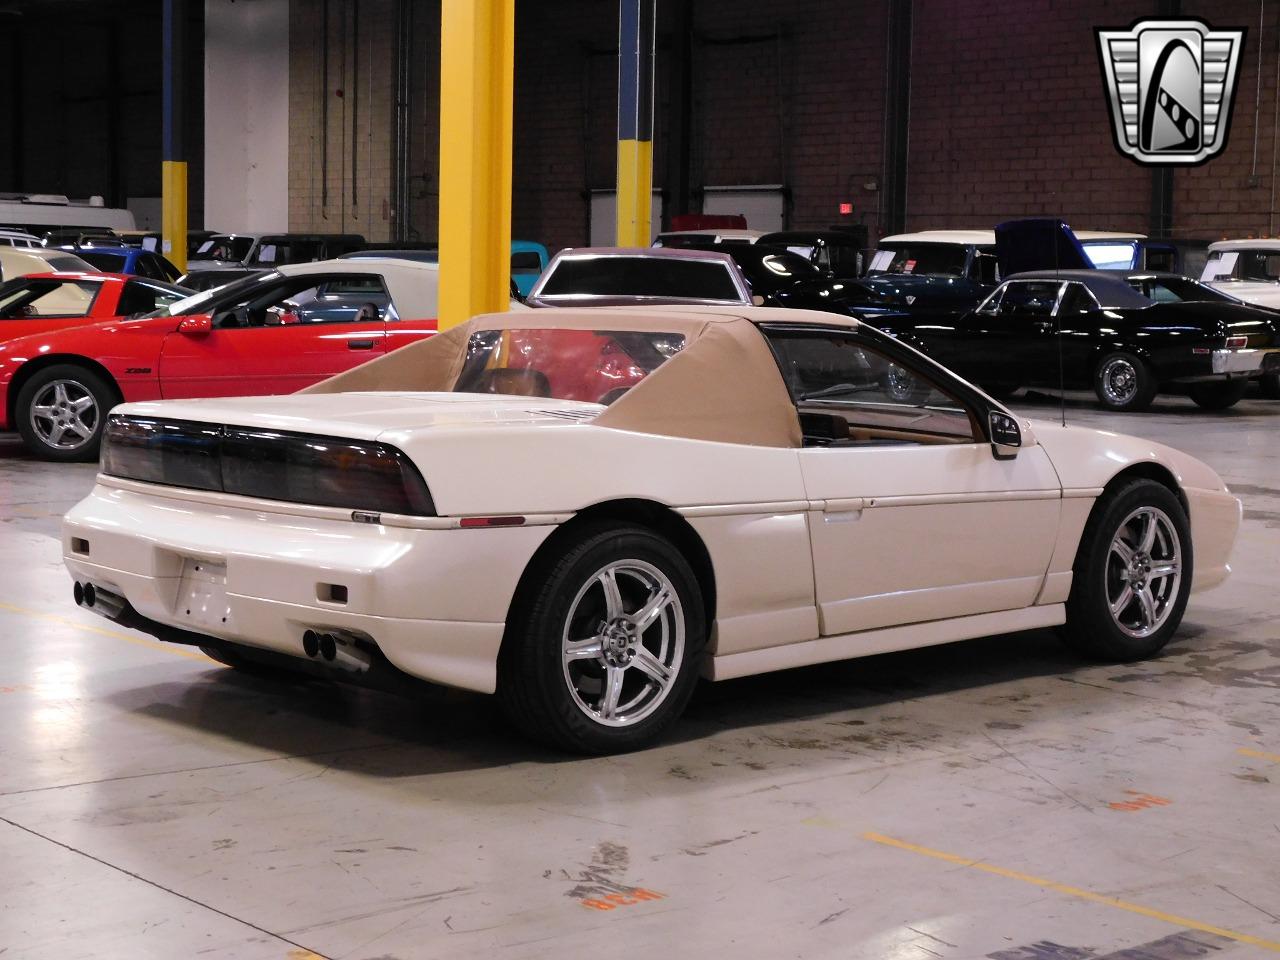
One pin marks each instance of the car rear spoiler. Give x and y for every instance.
(1038, 243)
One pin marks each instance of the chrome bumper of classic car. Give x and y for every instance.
(1240, 361)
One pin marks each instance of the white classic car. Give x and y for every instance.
(1247, 269)
(583, 509)
(1250, 271)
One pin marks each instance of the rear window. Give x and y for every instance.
(49, 298)
(597, 366)
(1112, 254)
(657, 277)
(111, 262)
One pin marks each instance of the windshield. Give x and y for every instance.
(598, 366)
(1111, 254)
(207, 300)
(229, 248)
(927, 259)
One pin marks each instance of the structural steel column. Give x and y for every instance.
(477, 57)
(897, 119)
(677, 194)
(173, 166)
(635, 121)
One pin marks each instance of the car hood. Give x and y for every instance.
(1087, 459)
(367, 416)
(73, 339)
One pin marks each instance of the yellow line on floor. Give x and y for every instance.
(172, 648)
(1077, 892)
(1246, 752)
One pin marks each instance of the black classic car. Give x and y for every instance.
(835, 253)
(1127, 335)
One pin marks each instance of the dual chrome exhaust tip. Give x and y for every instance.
(337, 650)
(97, 599)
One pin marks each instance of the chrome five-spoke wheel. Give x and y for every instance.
(623, 643)
(1132, 574)
(1144, 571)
(606, 638)
(61, 410)
(64, 414)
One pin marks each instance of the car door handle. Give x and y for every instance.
(361, 344)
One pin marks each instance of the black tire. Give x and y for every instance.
(1217, 394)
(229, 656)
(1269, 384)
(75, 380)
(534, 682)
(1091, 629)
(1124, 381)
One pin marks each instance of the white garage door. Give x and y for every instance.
(761, 204)
(604, 218)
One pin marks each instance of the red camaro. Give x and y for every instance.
(41, 302)
(275, 332)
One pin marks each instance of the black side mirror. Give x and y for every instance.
(1006, 438)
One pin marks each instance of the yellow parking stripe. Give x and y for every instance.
(1246, 752)
(1077, 892)
(173, 648)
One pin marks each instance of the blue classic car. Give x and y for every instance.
(118, 258)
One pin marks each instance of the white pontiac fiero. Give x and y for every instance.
(583, 509)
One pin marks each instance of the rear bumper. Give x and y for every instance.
(1246, 362)
(434, 601)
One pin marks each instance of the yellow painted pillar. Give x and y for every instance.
(635, 122)
(173, 163)
(477, 60)
(173, 212)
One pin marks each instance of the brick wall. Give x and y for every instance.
(340, 137)
(1008, 116)
(1232, 195)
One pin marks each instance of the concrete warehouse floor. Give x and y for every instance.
(994, 799)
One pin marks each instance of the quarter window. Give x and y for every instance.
(1034, 299)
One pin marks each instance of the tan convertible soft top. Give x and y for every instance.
(723, 386)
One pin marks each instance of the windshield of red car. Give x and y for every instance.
(597, 366)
